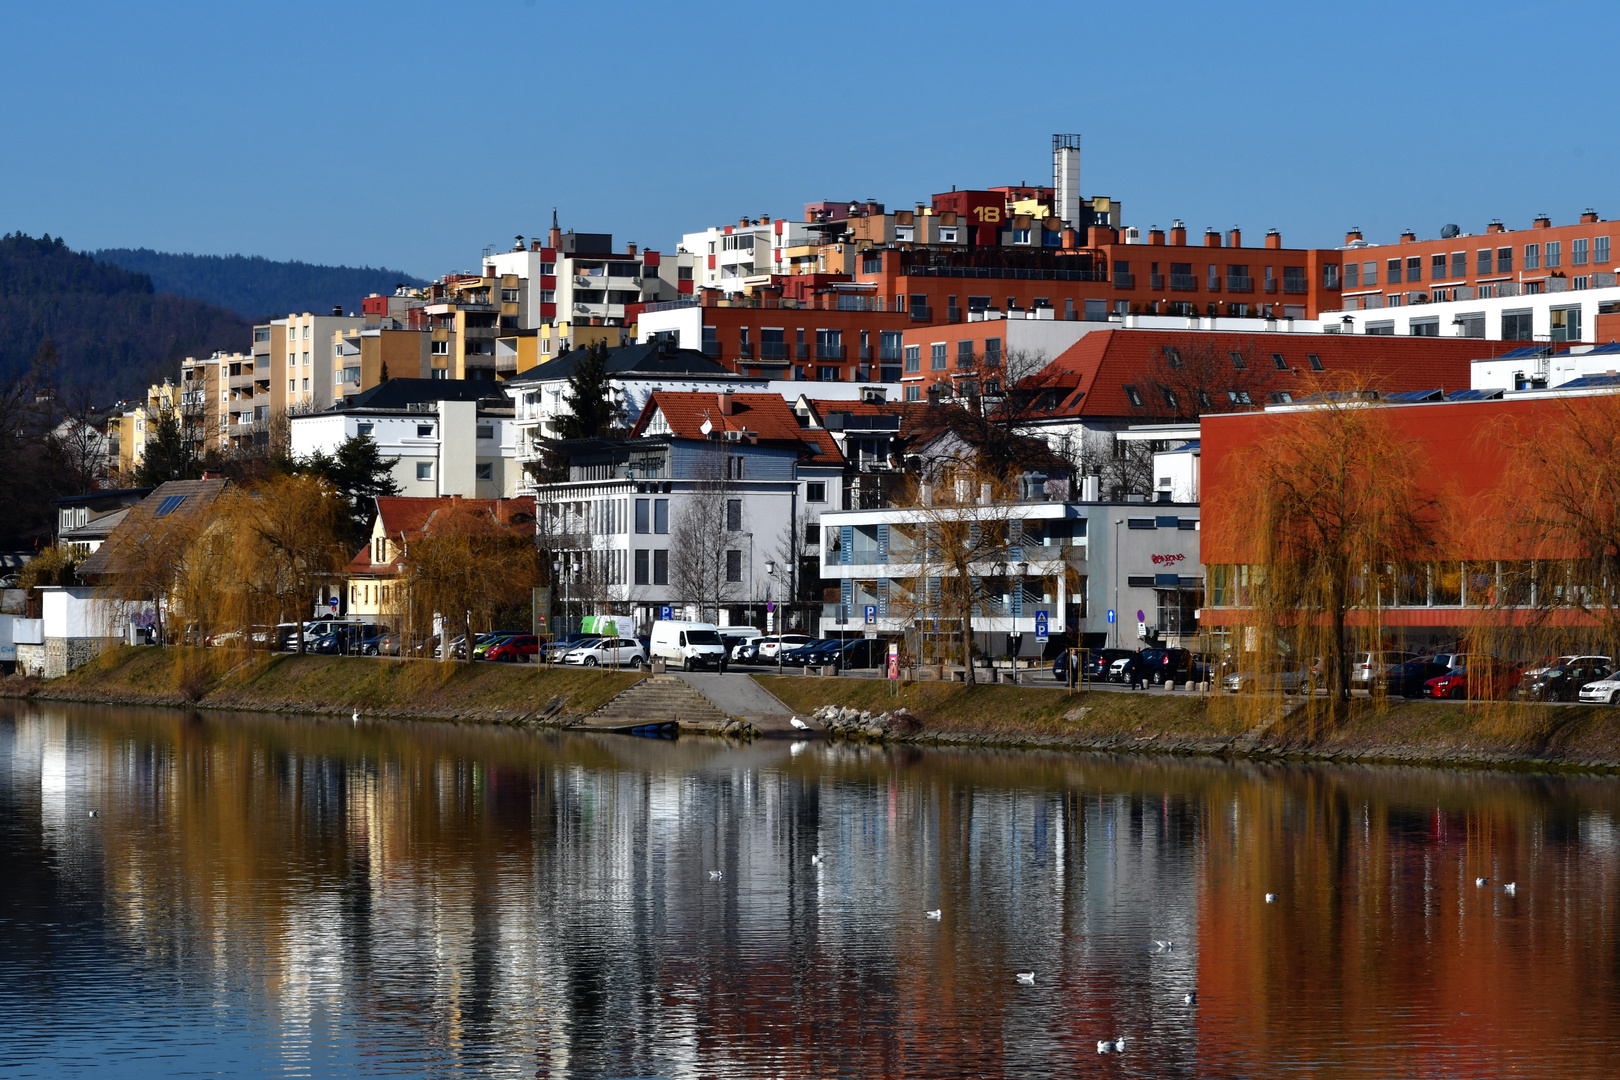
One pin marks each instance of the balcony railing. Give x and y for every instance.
(1124, 281)
(921, 313)
(801, 351)
(1271, 285)
(773, 350)
(1239, 283)
(953, 314)
(1156, 282)
(1294, 288)
(826, 351)
(745, 351)
(865, 353)
(1214, 284)
(1184, 282)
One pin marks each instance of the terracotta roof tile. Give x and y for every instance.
(766, 416)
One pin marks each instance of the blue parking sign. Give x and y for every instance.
(665, 613)
(1041, 626)
(871, 614)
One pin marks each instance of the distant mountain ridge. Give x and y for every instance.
(255, 287)
(114, 332)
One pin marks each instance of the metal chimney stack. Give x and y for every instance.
(1066, 179)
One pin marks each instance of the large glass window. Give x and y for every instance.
(660, 515)
(913, 359)
(660, 567)
(1532, 256)
(1577, 252)
(936, 356)
(643, 516)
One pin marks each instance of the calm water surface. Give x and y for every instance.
(265, 895)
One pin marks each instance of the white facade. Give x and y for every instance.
(445, 449)
(583, 285)
(1495, 318)
(743, 251)
(1550, 367)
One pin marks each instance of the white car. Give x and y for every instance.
(608, 652)
(766, 648)
(1603, 692)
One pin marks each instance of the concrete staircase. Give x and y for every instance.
(656, 699)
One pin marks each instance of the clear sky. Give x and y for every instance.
(413, 135)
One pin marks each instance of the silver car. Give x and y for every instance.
(608, 652)
(1284, 675)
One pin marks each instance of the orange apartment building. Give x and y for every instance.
(1465, 266)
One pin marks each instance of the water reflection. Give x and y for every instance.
(315, 898)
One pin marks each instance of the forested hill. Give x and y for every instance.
(114, 331)
(256, 287)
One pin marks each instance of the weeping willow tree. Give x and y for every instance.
(471, 567)
(1331, 518)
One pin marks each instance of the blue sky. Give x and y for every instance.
(412, 135)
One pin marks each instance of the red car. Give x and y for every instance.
(515, 650)
(1492, 680)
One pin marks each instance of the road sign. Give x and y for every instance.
(1141, 630)
(1110, 616)
(332, 603)
(1140, 617)
(871, 614)
(665, 612)
(1041, 626)
(894, 659)
(770, 606)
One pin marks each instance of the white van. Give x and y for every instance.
(688, 644)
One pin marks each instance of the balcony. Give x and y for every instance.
(1239, 283)
(1124, 281)
(865, 354)
(773, 350)
(953, 314)
(827, 351)
(801, 351)
(922, 313)
(1214, 284)
(1294, 288)
(745, 351)
(1184, 282)
(1156, 282)
(1271, 285)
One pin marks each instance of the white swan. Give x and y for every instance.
(1027, 978)
(357, 716)
(798, 724)
(1511, 887)
(935, 914)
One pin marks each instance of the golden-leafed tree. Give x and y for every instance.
(1327, 509)
(469, 567)
(285, 543)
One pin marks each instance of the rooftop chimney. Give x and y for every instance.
(631, 248)
(1408, 237)
(1178, 233)
(1544, 222)
(725, 403)
(337, 309)
(1156, 236)
(742, 222)
(1273, 238)
(1234, 237)
(1496, 226)
(1353, 235)
(519, 245)
(1211, 237)
(1588, 216)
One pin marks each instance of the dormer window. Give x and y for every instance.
(1136, 398)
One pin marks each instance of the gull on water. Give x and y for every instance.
(815, 860)
(1511, 887)
(716, 875)
(1111, 1046)
(1271, 898)
(1190, 999)
(357, 716)
(1166, 945)
(1027, 978)
(935, 914)
(1481, 882)
(95, 813)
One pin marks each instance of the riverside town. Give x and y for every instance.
(1003, 631)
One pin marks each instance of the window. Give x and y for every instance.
(827, 373)
(306, 386)
(484, 470)
(1459, 264)
(1600, 250)
(1277, 359)
(1281, 397)
(1136, 398)
(1352, 275)
(734, 466)
(1580, 281)
(1330, 276)
(734, 515)
(1169, 397)
(424, 470)
(913, 359)
(1532, 256)
(1504, 260)
(363, 428)
(1471, 324)
(1394, 272)
(441, 348)
(641, 566)
(424, 431)
(1020, 236)
(660, 516)
(1240, 397)
(964, 355)
(947, 234)
(486, 431)
(992, 351)
(660, 567)
(815, 492)
(1425, 327)
(1437, 267)
(1172, 356)
(1555, 254)
(643, 516)
(1141, 523)
(936, 356)
(1238, 363)
(1565, 324)
(1414, 268)
(1516, 326)
(1381, 328)
(733, 565)
(1482, 260)
(889, 345)
(913, 392)
(1369, 273)
(1577, 252)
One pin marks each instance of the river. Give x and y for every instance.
(288, 896)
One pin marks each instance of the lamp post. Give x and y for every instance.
(1117, 523)
(751, 595)
(770, 572)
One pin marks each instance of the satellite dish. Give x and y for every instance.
(707, 427)
(1448, 232)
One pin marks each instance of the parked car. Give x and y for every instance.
(1408, 679)
(766, 648)
(1482, 678)
(349, 639)
(1605, 691)
(813, 653)
(1564, 683)
(428, 646)
(483, 642)
(1289, 676)
(860, 653)
(388, 644)
(738, 639)
(513, 649)
(608, 652)
(1099, 661)
(1160, 666)
(562, 650)
(1366, 667)
(1451, 661)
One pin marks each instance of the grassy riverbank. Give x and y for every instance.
(1495, 734)
(491, 693)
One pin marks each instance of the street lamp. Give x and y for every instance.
(1118, 522)
(770, 572)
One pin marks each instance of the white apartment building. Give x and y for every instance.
(1557, 315)
(447, 437)
(725, 256)
(578, 277)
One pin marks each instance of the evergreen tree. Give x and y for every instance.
(169, 455)
(382, 376)
(592, 413)
(360, 473)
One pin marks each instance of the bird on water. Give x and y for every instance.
(1165, 945)
(798, 724)
(935, 914)
(1481, 882)
(356, 716)
(1511, 887)
(1271, 898)
(716, 875)
(1111, 1046)
(1027, 978)
(1190, 999)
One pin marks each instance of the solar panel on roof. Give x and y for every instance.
(1409, 396)
(1474, 395)
(169, 505)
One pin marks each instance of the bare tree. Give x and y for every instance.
(469, 568)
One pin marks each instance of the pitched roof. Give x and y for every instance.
(402, 393)
(646, 358)
(767, 418)
(172, 505)
(1091, 377)
(410, 518)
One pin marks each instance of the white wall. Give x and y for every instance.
(1540, 307)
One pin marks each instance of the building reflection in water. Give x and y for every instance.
(425, 897)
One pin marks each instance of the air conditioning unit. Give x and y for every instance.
(734, 436)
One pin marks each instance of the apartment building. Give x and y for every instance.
(445, 436)
(303, 377)
(989, 352)
(1557, 314)
(731, 257)
(1465, 266)
(579, 278)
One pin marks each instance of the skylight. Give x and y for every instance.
(169, 505)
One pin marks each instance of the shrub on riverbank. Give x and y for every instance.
(211, 678)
